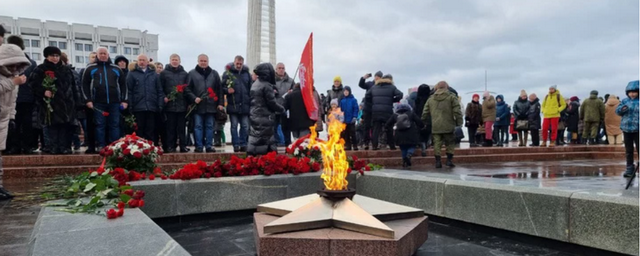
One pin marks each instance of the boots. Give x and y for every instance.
(409, 160)
(488, 143)
(521, 141)
(217, 138)
(404, 162)
(4, 194)
(629, 172)
(543, 144)
(438, 162)
(449, 161)
(526, 140)
(552, 144)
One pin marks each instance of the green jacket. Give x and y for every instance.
(592, 110)
(489, 109)
(445, 112)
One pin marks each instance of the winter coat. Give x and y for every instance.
(521, 109)
(264, 107)
(592, 109)
(423, 96)
(104, 82)
(283, 85)
(553, 105)
(238, 102)
(25, 95)
(380, 98)
(411, 100)
(473, 114)
(502, 112)
(612, 121)
(9, 55)
(200, 80)
(349, 106)
(80, 113)
(334, 93)
(573, 116)
(298, 116)
(445, 112)
(535, 122)
(145, 91)
(409, 136)
(319, 126)
(170, 78)
(489, 109)
(364, 84)
(631, 114)
(65, 102)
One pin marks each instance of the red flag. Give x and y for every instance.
(305, 76)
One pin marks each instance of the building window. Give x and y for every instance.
(53, 43)
(27, 43)
(35, 56)
(79, 59)
(79, 47)
(113, 49)
(136, 51)
(127, 50)
(86, 59)
(35, 43)
(88, 48)
(62, 45)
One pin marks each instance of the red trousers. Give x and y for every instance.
(488, 129)
(553, 122)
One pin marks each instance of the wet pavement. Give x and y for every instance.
(232, 234)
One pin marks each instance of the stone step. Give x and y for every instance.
(85, 159)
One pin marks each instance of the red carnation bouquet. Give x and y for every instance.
(208, 93)
(177, 91)
(49, 84)
(132, 153)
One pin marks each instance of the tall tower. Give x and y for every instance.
(261, 33)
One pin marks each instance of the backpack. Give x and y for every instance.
(403, 122)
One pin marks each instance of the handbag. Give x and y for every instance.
(522, 125)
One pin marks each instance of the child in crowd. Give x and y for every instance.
(349, 107)
(629, 111)
(407, 129)
(335, 111)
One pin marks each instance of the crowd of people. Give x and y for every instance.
(47, 107)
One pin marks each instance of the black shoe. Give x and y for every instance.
(243, 149)
(438, 162)
(66, 152)
(5, 195)
(376, 148)
(184, 150)
(392, 148)
(404, 162)
(170, 150)
(366, 148)
(355, 149)
(211, 150)
(88, 151)
(449, 161)
(217, 144)
(236, 149)
(409, 160)
(198, 150)
(13, 151)
(629, 172)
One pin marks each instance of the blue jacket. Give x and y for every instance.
(349, 106)
(145, 91)
(502, 112)
(630, 115)
(240, 101)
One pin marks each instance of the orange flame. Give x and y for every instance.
(334, 158)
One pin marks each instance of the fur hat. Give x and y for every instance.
(523, 93)
(337, 78)
(51, 50)
(379, 74)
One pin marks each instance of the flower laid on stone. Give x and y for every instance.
(301, 148)
(131, 153)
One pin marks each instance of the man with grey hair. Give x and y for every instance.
(104, 89)
(146, 97)
(284, 85)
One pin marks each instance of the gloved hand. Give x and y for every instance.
(12, 124)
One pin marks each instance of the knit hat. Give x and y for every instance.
(475, 95)
(51, 50)
(337, 78)
(379, 74)
(442, 85)
(334, 102)
(575, 98)
(594, 92)
(523, 93)
(555, 87)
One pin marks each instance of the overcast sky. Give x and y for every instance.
(525, 44)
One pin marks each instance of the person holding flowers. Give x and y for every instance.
(202, 90)
(173, 80)
(236, 84)
(54, 85)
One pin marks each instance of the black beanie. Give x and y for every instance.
(594, 92)
(379, 74)
(50, 50)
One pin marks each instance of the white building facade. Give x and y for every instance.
(261, 33)
(79, 40)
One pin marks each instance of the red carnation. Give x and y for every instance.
(227, 67)
(133, 203)
(137, 154)
(126, 151)
(180, 88)
(120, 205)
(146, 152)
(217, 174)
(128, 192)
(100, 170)
(152, 177)
(123, 145)
(164, 177)
(50, 74)
(140, 203)
(367, 168)
(207, 175)
(135, 126)
(120, 212)
(112, 214)
(139, 194)
(105, 113)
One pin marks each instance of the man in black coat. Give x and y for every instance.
(236, 84)
(263, 111)
(379, 105)
(424, 92)
(145, 97)
(367, 119)
(204, 89)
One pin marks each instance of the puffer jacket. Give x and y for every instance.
(200, 80)
(553, 105)
(264, 107)
(592, 109)
(104, 82)
(65, 102)
(170, 78)
(240, 101)
(380, 98)
(502, 112)
(573, 116)
(283, 85)
(25, 95)
(145, 91)
(630, 114)
(409, 136)
(9, 55)
(612, 121)
(444, 109)
(349, 106)
(535, 121)
(521, 109)
(489, 109)
(473, 114)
